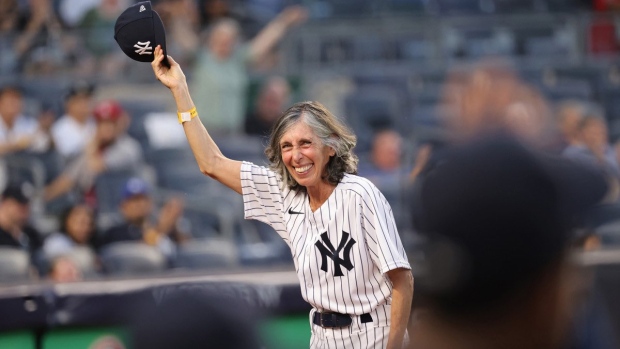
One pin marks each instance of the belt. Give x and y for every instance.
(329, 320)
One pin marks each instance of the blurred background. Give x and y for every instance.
(103, 198)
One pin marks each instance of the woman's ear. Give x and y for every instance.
(332, 151)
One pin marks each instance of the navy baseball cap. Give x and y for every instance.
(17, 193)
(138, 30)
(494, 214)
(135, 187)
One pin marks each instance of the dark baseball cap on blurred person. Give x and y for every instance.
(108, 111)
(494, 215)
(138, 30)
(135, 187)
(80, 88)
(16, 193)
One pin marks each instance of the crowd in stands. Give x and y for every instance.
(81, 172)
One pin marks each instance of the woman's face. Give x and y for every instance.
(80, 224)
(304, 155)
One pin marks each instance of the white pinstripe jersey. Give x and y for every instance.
(342, 250)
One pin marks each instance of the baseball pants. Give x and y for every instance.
(370, 335)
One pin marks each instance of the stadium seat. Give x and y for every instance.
(138, 111)
(568, 89)
(131, 258)
(458, 7)
(206, 253)
(243, 148)
(85, 259)
(108, 188)
(372, 108)
(14, 264)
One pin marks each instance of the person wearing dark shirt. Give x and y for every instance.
(272, 100)
(14, 215)
(136, 209)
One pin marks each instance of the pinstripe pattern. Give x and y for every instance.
(355, 211)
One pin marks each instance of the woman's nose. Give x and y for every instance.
(297, 153)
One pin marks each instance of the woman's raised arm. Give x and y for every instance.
(210, 159)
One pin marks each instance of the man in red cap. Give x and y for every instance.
(109, 149)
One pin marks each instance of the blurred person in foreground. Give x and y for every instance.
(110, 149)
(490, 97)
(272, 100)
(137, 220)
(221, 78)
(194, 319)
(498, 221)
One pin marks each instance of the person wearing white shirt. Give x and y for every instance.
(73, 130)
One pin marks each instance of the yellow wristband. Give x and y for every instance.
(188, 115)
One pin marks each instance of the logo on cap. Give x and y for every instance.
(142, 8)
(143, 48)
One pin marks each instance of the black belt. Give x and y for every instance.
(328, 320)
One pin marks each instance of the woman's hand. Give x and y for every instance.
(172, 77)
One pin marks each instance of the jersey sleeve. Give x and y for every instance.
(382, 236)
(262, 196)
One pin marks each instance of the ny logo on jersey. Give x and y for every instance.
(346, 243)
(143, 48)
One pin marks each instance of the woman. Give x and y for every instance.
(339, 227)
(77, 229)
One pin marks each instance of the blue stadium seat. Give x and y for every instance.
(138, 110)
(206, 254)
(131, 258)
(108, 189)
(457, 6)
(14, 264)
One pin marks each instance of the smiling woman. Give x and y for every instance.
(311, 149)
(312, 198)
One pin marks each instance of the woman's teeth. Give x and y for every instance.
(302, 169)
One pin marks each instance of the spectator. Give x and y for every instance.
(594, 149)
(569, 116)
(24, 35)
(14, 216)
(63, 269)
(497, 270)
(136, 210)
(73, 130)
(273, 99)
(220, 78)
(385, 170)
(72, 12)
(17, 131)
(97, 28)
(182, 23)
(213, 10)
(77, 229)
(491, 97)
(110, 149)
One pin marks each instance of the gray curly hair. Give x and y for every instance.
(330, 130)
